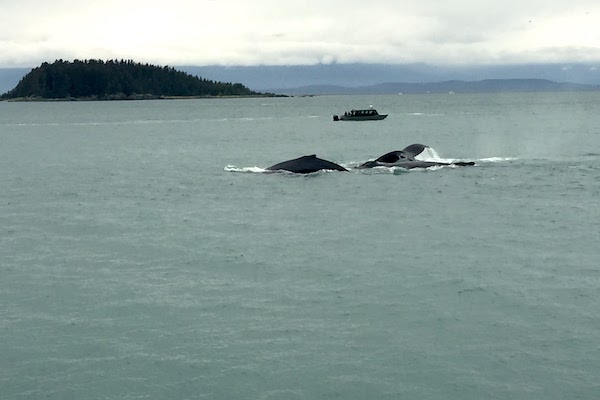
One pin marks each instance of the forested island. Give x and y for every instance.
(117, 80)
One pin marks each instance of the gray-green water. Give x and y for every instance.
(143, 253)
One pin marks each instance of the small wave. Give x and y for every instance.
(254, 170)
(497, 159)
(472, 290)
(254, 118)
(258, 170)
(380, 169)
(420, 114)
(400, 170)
(98, 123)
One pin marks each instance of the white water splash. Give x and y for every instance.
(256, 170)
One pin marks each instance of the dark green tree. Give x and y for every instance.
(98, 79)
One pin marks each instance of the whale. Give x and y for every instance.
(406, 158)
(306, 165)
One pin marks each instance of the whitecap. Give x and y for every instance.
(256, 170)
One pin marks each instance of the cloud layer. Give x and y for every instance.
(270, 32)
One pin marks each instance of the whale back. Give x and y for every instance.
(306, 165)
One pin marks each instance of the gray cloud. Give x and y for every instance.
(269, 32)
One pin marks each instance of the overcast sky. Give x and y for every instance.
(283, 32)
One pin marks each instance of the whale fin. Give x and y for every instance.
(406, 158)
(410, 152)
(391, 157)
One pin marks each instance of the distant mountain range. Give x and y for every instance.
(484, 86)
(387, 78)
(282, 78)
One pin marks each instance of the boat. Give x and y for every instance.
(360, 115)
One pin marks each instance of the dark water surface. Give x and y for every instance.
(144, 253)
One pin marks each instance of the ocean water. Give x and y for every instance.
(146, 254)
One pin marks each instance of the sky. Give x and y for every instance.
(295, 32)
